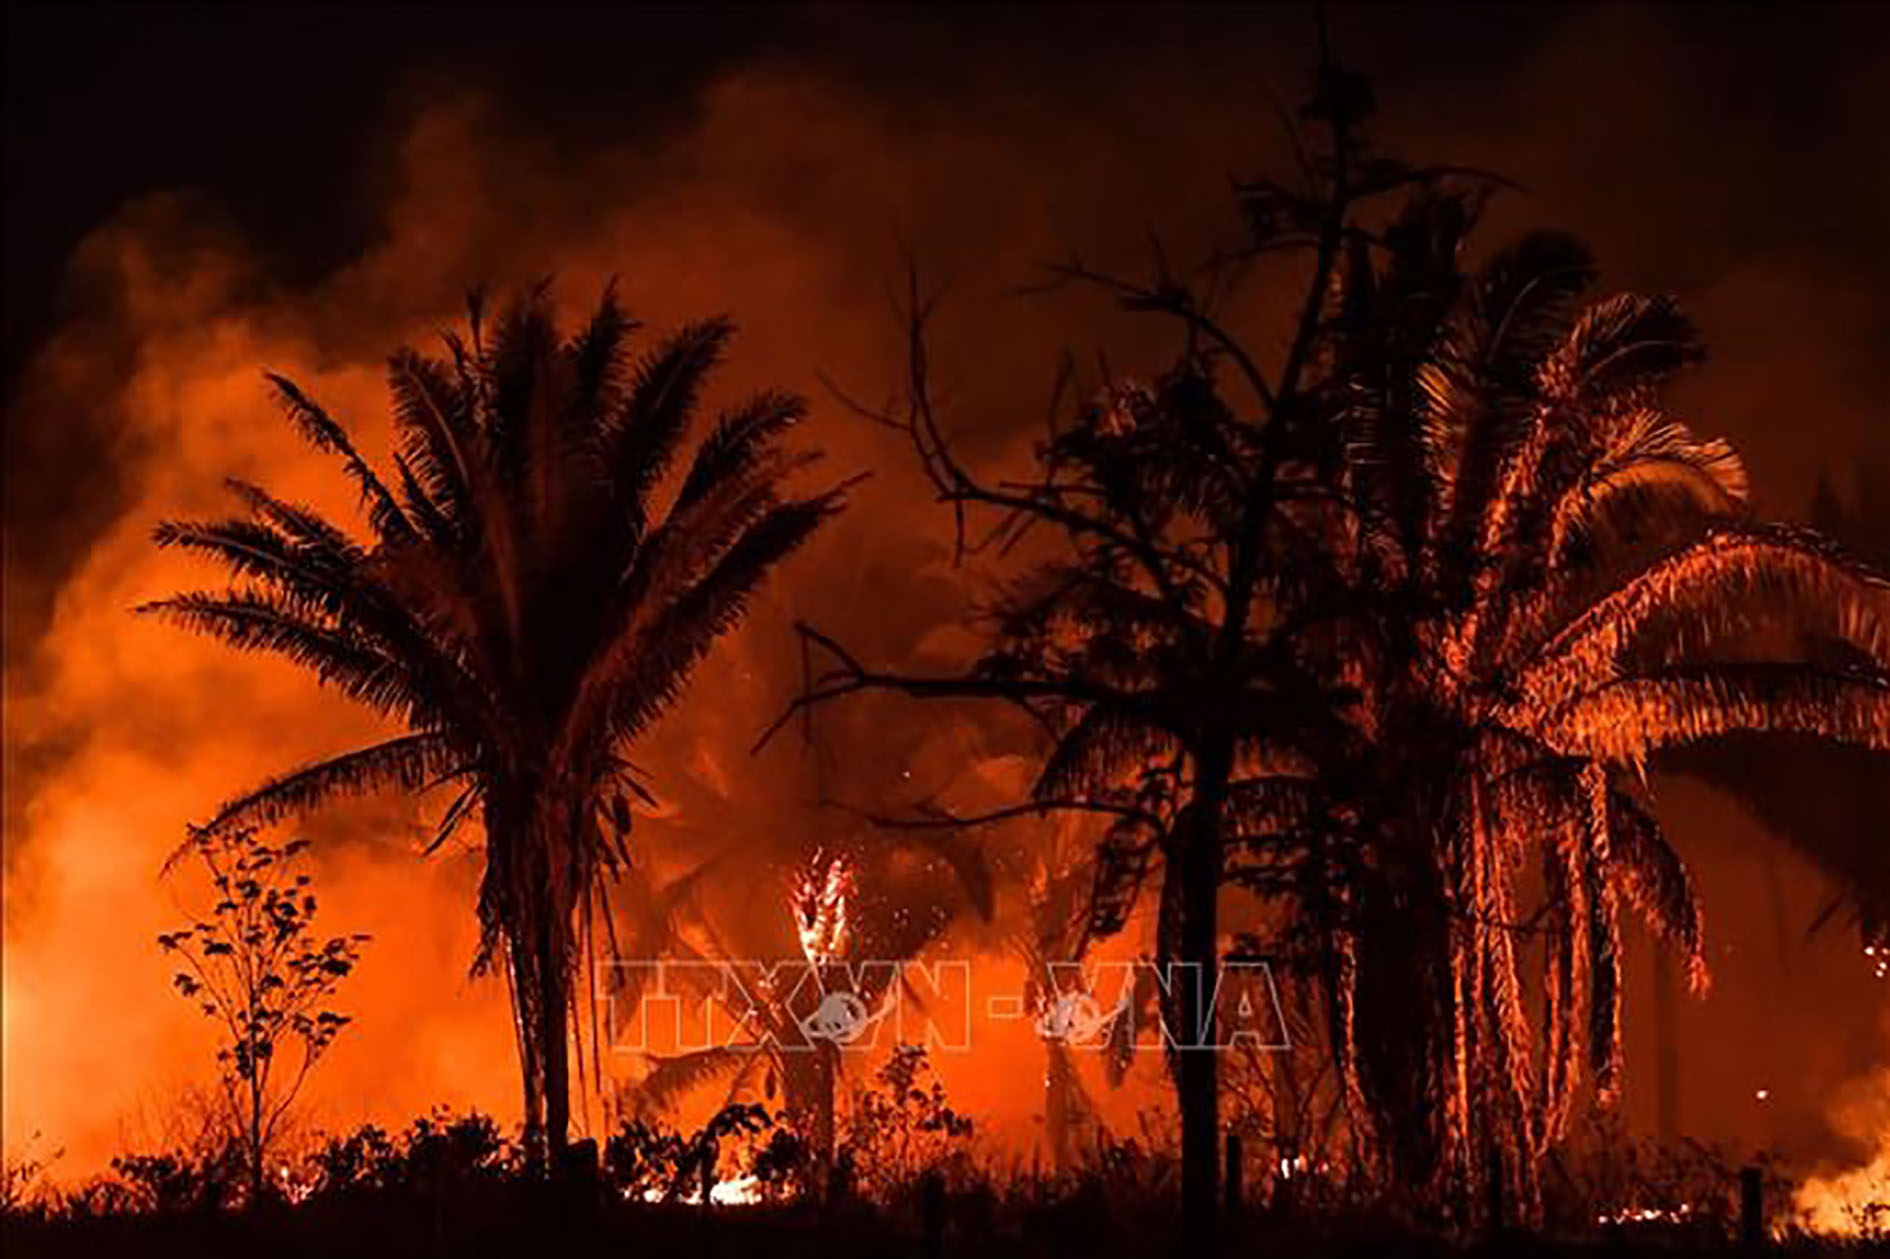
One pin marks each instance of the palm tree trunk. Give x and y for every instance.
(544, 904)
(1198, 1077)
(808, 1077)
(1404, 1029)
(826, 1056)
(525, 995)
(1056, 1104)
(508, 898)
(554, 1007)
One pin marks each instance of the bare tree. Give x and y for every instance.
(1148, 649)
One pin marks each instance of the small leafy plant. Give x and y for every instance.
(648, 1163)
(255, 966)
(902, 1128)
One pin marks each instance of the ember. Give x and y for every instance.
(1647, 1215)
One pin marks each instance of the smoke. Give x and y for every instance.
(785, 199)
(1854, 1200)
(785, 193)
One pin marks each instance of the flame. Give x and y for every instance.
(1855, 1202)
(731, 1191)
(150, 720)
(736, 1191)
(295, 1187)
(1647, 1215)
(820, 908)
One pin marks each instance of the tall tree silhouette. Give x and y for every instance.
(1364, 629)
(1147, 648)
(1538, 579)
(535, 592)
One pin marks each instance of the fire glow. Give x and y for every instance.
(820, 909)
(1855, 1201)
(140, 720)
(730, 1191)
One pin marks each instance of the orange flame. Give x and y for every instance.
(1855, 1202)
(820, 909)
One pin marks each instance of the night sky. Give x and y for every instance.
(1694, 145)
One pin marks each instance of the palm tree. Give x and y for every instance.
(1439, 588)
(1538, 579)
(1049, 874)
(1053, 934)
(854, 911)
(532, 599)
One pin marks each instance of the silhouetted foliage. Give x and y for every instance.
(1148, 648)
(23, 1184)
(1363, 632)
(1536, 578)
(360, 1161)
(172, 1182)
(902, 1129)
(453, 1184)
(544, 572)
(645, 1162)
(254, 965)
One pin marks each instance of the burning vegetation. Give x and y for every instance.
(1346, 641)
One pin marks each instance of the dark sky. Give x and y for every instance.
(1766, 121)
(280, 111)
(273, 109)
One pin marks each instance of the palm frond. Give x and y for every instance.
(1720, 589)
(1658, 882)
(641, 440)
(302, 525)
(439, 436)
(1100, 751)
(1479, 386)
(408, 763)
(738, 437)
(598, 355)
(1647, 471)
(524, 344)
(1604, 936)
(251, 549)
(1619, 345)
(672, 1077)
(1628, 720)
(639, 674)
(251, 621)
(1123, 863)
(324, 434)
